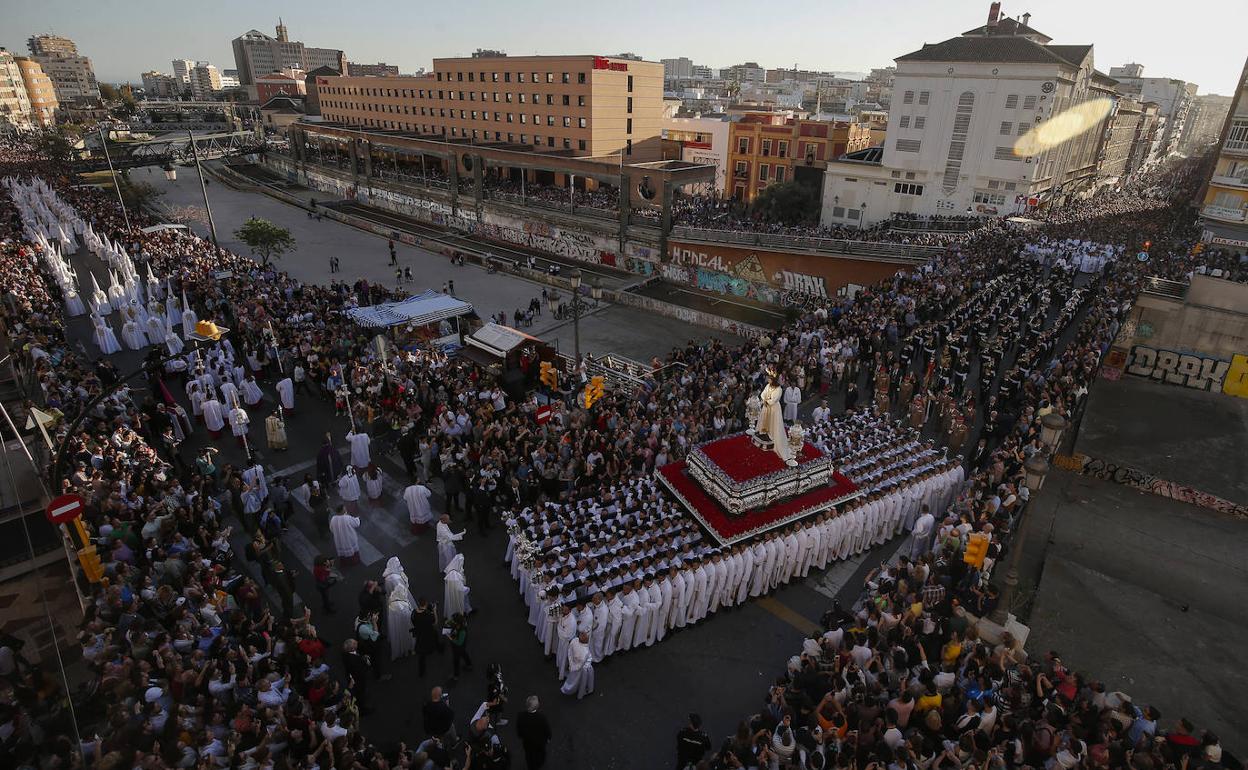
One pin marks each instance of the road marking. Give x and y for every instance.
(788, 614)
(297, 543)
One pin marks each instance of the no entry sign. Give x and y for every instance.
(543, 414)
(65, 509)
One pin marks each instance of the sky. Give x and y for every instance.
(1200, 41)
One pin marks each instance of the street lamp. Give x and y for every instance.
(595, 291)
(171, 173)
(203, 188)
(970, 212)
(1034, 471)
(576, 312)
(1052, 425)
(862, 221)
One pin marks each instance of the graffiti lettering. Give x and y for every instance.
(686, 256)
(1235, 382)
(1199, 372)
(1146, 482)
(804, 284)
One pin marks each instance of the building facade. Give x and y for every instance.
(205, 80)
(289, 83)
(182, 70)
(1172, 96)
(257, 54)
(677, 69)
(1204, 123)
(704, 141)
(158, 85)
(380, 69)
(1224, 212)
(577, 105)
(39, 90)
(769, 148)
(960, 129)
(72, 75)
(14, 104)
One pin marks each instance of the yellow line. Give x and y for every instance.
(788, 615)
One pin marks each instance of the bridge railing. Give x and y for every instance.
(891, 249)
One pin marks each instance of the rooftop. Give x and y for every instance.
(993, 49)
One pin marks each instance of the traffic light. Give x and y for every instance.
(594, 391)
(91, 566)
(1148, 245)
(550, 375)
(976, 550)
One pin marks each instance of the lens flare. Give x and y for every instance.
(1062, 128)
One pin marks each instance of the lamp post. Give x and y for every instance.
(171, 172)
(576, 312)
(116, 182)
(595, 291)
(203, 188)
(1036, 468)
(571, 193)
(862, 221)
(1052, 426)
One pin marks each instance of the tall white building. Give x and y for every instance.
(1172, 96)
(675, 69)
(182, 70)
(14, 103)
(205, 80)
(958, 112)
(72, 75)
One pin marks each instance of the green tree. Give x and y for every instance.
(108, 92)
(54, 146)
(265, 239)
(787, 203)
(138, 194)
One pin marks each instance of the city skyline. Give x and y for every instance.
(853, 38)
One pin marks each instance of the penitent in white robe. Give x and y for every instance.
(567, 632)
(446, 544)
(399, 626)
(214, 417)
(359, 449)
(417, 498)
(580, 680)
(455, 596)
(346, 542)
(105, 337)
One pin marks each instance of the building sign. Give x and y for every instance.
(603, 63)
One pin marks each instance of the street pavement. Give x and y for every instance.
(626, 331)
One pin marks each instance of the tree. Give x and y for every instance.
(138, 194)
(108, 92)
(787, 203)
(54, 146)
(265, 239)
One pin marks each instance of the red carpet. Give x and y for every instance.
(728, 529)
(741, 460)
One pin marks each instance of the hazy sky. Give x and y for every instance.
(1197, 40)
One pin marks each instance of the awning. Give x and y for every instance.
(425, 308)
(158, 228)
(478, 356)
(498, 340)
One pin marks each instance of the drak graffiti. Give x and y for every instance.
(1193, 371)
(1146, 482)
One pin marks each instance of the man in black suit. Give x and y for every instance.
(534, 731)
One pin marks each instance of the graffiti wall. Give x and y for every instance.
(1190, 370)
(1146, 482)
(777, 277)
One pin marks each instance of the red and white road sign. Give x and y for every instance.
(543, 414)
(65, 509)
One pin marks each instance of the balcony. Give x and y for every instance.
(1229, 181)
(1235, 147)
(1223, 213)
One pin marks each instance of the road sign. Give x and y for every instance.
(543, 414)
(65, 509)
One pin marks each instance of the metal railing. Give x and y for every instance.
(1164, 287)
(889, 249)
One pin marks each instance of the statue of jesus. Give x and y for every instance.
(771, 419)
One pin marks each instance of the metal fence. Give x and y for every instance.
(889, 249)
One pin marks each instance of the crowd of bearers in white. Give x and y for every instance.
(625, 569)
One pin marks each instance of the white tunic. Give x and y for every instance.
(456, 588)
(214, 417)
(792, 398)
(359, 449)
(349, 488)
(417, 498)
(446, 544)
(580, 681)
(286, 392)
(343, 526)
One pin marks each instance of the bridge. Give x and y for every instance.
(169, 149)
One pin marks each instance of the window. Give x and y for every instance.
(524, 118)
(764, 171)
(924, 96)
(474, 114)
(580, 144)
(550, 78)
(628, 125)
(537, 98)
(520, 79)
(535, 79)
(1011, 102)
(509, 117)
(493, 77)
(992, 199)
(1029, 102)
(494, 96)
(1007, 128)
(743, 145)
(628, 146)
(580, 78)
(902, 188)
(567, 100)
(472, 96)
(1022, 128)
(779, 174)
(896, 174)
(567, 122)
(766, 147)
(550, 120)
(580, 101)
(439, 77)
(565, 79)
(740, 171)
(908, 145)
(523, 97)
(550, 141)
(524, 138)
(459, 76)
(994, 184)
(630, 84)
(550, 99)
(1011, 186)
(1005, 153)
(919, 122)
(784, 149)
(567, 144)
(908, 98)
(905, 121)
(506, 77)
(537, 139)
(507, 97)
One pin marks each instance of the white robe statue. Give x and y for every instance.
(770, 420)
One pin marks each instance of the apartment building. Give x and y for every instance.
(205, 80)
(72, 75)
(1172, 96)
(39, 90)
(257, 54)
(772, 148)
(960, 111)
(576, 105)
(1224, 213)
(14, 104)
(380, 69)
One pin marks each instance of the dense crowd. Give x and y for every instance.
(192, 667)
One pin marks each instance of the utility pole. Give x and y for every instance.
(212, 226)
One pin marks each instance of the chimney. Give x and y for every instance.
(994, 14)
(1026, 19)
